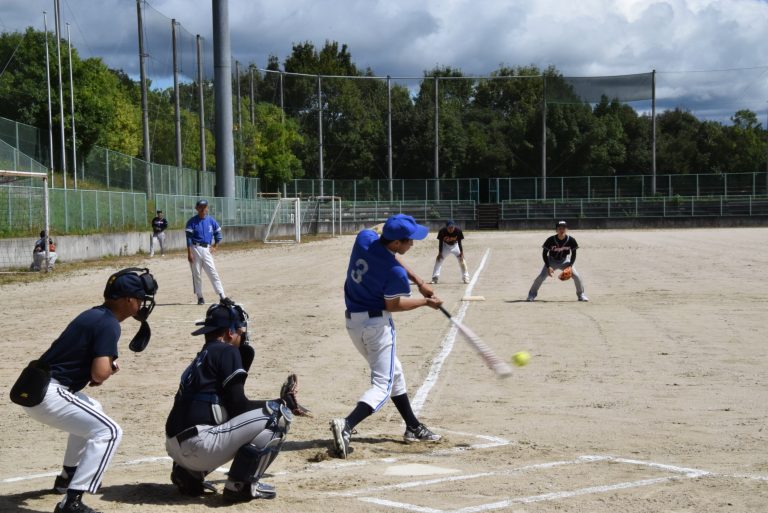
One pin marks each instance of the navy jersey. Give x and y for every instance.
(202, 231)
(91, 334)
(202, 384)
(449, 238)
(560, 250)
(373, 275)
(159, 224)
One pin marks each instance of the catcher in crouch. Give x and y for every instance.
(559, 253)
(212, 421)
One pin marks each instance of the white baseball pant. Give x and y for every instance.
(375, 339)
(160, 238)
(454, 250)
(203, 259)
(93, 436)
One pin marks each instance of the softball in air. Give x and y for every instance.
(521, 358)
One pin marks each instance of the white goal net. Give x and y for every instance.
(24, 213)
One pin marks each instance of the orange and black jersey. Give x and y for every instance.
(446, 237)
(560, 250)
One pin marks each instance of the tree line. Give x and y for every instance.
(487, 128)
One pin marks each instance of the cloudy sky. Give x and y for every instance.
(711, 55)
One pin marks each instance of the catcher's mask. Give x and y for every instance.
(226, 314)
(135, 282)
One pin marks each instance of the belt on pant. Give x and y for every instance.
(201, 244)
(371, 313)
(186, 434)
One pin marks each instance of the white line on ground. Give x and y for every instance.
(447, 346)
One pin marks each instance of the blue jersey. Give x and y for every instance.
(91, 334)
(373, 275)
(203, 231)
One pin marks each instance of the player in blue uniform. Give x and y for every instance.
(86, 354)
(203, 236)
(212, 421)
(377, 285)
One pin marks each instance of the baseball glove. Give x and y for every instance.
(566, 274)
(289, 394)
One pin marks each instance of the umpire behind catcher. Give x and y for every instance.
(212, 421)
(84, 354)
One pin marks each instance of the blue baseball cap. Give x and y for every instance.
(126, 285)
(450, 222)
(201, 203)
(401, 226)
(217, 317)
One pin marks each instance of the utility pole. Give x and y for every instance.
(176, 101)
(48, 86)
(57, 17)
(144, 106)
(72, 109)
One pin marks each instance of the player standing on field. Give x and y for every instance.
(159, 225)
(203, 236)
(377, 285)
(86, 354)
(450, 238)
(559, 253)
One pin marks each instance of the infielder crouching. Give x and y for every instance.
(559, 253)
(450, 238)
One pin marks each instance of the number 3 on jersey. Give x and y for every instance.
(361, 267)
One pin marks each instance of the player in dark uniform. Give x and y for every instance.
(450, 238)
(85, 354)
(559, 253)
(159, 225)
(212, 421)
(376, 286)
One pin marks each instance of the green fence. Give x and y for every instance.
(11, 159)
(424, 211)
(444, 189)
(677, 206)
(25, 138)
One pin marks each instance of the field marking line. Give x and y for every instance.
(447, 345)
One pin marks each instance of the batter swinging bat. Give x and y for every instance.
(496, 364)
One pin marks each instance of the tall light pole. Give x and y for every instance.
(57, 18)
(48, 86)
(72, 109)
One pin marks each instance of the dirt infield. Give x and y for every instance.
(652, 397)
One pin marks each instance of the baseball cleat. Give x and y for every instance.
(420, 433)
(434, 280)
(73, 506)
(466, 280)
(61, 484)
(583, 297)
(341, 436)
(200, 301)
(238, 491)
(531, 299)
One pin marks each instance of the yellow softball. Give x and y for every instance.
(521, 358)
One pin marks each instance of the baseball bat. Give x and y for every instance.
(496, 364)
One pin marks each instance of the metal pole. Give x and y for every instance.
(437, 141)
(176, 104)
(320, 129)
(282, 100)
(653, 136)
(389, 136)
(544, 140)
(57, 17)
(72, 109)
(239, 119)
(201, 111)
(250, 72)
(144, 105)
(48, 86)
(222, 51)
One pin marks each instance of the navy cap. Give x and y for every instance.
(561, 223)
(159, 212)
(218, 317)
(126, 285)
(201, 203)
(401, 226)
(450, 222)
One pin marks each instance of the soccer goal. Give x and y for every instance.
(285, 224)
(24, 212)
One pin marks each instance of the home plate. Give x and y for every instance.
(417, 469)
(473, 298)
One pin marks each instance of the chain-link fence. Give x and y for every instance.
(25, 138)
(447, 189)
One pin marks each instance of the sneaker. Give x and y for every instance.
(421, 434)
(531, 299)
(61, 484)
(74, 506)
(583, 297)
(200, 301)
(341, 435)
(434, 280)
(239, 491)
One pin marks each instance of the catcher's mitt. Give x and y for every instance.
(289, 394)
(566, 274)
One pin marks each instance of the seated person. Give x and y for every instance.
(38, 254)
